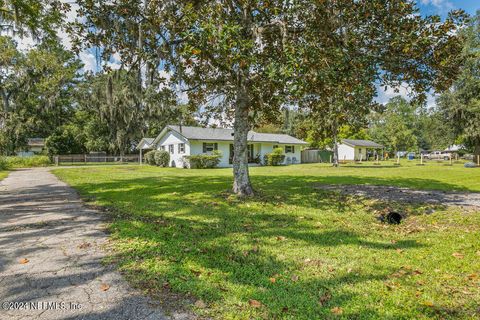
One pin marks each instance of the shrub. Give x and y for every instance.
(4, 165)
(150, 157)
(203, 161)
(274, 158)
(162, 158)
(27, 162)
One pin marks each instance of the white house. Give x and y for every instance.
(357, 150)
(34, 146)
(182, 141)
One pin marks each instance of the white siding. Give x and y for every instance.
(196, 147)
(360, 153)
(223, 147)
(173, 138)
(345, 152)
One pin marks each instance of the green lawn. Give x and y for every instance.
(3, 174)
(292, 251)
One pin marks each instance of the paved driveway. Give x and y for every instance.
(51, 251)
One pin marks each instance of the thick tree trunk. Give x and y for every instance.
(241, 178)
(476, 151)
(335, 146)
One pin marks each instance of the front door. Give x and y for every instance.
(250, 153)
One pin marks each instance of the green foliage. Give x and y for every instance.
(150, 157)
(39, 19)
(462, 104)
(37, 89)
(4, 163)
(64, 141)
(395, 126)
(162, 158)
(203, 161)
(28, 162)
(274, 158)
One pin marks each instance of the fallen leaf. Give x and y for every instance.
(272, 280)
(255, 303)
(324, 298)
(472, 276)
(399, 250)
(349, 270)
(336, 310)
(428, 303)
(294, 278)
(104, 287)
(200, 304)
(418, 293)
(457, 255)
(417, 272)
(255, 249)
(24, 261)
(281, 238)
(84, 245)
(245, 253)
(196, 272)
(285, 309)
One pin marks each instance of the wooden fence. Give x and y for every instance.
(94, 158)
(315, 156)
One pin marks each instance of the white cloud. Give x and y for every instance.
(89, 61)
(441, 5)
(405, 92)
(385, 95)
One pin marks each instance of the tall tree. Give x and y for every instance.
(352, 47)
(461, 105)
(245, 59)
(36, 89)
(226, 55)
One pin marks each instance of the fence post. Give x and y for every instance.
(56, 160)
(478, 160)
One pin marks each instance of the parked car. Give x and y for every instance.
(438, 155)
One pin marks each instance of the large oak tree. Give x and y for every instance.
(244, 60)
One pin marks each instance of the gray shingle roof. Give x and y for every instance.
(219, 134)
(362, 143)
(146, 141)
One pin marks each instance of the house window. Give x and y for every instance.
(289, 149)
(162, 148)
(181, 148)
(275, 147)
(209, 147)
(170, 148)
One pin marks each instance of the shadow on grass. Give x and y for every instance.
(192, 235)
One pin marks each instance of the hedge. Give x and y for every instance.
(274, 158)
(203, 161)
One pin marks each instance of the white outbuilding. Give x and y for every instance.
(359, 150)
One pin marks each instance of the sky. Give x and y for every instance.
(427, 7)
